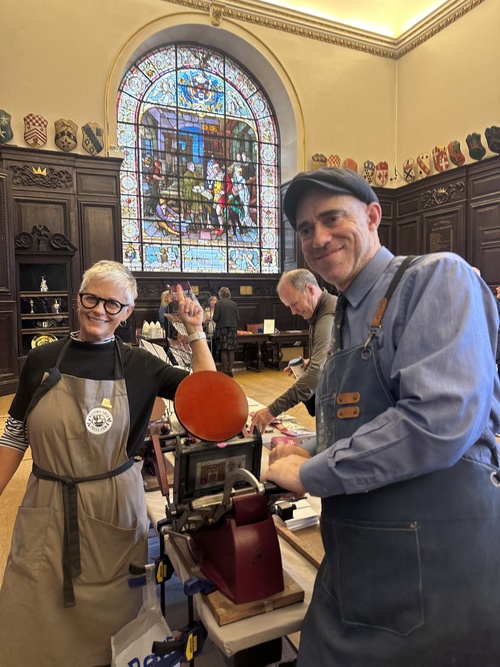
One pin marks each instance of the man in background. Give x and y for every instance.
(299, 291)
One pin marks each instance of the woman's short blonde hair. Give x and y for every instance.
(111, 272)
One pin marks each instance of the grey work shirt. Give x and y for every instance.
(320, 334)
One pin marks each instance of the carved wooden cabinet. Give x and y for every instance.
(76, 199)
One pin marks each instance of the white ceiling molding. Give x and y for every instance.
(304, 25)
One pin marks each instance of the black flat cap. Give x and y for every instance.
(335, 179)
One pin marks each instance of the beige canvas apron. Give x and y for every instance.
(78, 429)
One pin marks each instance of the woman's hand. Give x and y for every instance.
(191, 313)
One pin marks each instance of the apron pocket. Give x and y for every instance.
(107, 550)
(376, 573)
(28, 541)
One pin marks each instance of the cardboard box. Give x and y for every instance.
(292, 352)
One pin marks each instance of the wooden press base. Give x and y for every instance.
(307, 541)
(222, 608)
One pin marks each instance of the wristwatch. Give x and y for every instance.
(197, 335)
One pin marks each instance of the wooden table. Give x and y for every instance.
(286, 339)
(254, 349)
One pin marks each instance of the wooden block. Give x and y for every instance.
(307, 541)
(225, 611)
(222, 608)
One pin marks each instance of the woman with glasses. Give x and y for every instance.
(83, 406)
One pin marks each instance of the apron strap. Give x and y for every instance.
(384, 301)
(71, 541)
(51, 379)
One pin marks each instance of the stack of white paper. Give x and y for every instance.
(303, 516)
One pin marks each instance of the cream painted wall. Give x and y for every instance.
(450, 86)
(60, 59)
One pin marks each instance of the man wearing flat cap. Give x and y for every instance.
(406, 460)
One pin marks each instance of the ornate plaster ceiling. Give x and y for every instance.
(390, 18)
(387, 28)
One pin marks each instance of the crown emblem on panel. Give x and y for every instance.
(381, 173)
(454, 151)
(476, 149)
(93, 138)
(35, 130)
(6, 133)
(65, 138)
(492, 135)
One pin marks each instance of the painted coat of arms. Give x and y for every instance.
(455, 153)
(333, 161)
(35, 130)
(440, 158)
(65, 138)
(409, 173)
(369, 171)
(93, 138)
(476, 149)
(6, 133)
(492, 135)
(423, 164)
(349, 163)
(381, 173)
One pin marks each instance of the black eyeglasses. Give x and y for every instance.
(111, 306)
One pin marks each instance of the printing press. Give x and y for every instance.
(217, 503)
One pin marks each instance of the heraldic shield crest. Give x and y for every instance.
(369, 171)
(93, 138)
(440, 158)
(492, 135)
(6, 133)
(409, 173)
(455, 153)
(476, 149)
(381, 173)
(35, 130)
(65, 138)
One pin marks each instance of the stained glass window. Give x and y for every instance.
(199, 179)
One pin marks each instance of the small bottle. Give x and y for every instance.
(158, 330)
(297, 366)
(145, 329)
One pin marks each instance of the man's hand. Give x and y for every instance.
(280, 451)
(285, 473)
(261, 419)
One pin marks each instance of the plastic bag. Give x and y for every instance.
(131, 646)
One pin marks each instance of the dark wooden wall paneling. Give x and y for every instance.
(9, 370)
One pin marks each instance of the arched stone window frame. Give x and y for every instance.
(236, 42)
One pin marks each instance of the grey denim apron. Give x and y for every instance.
(411, 574)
